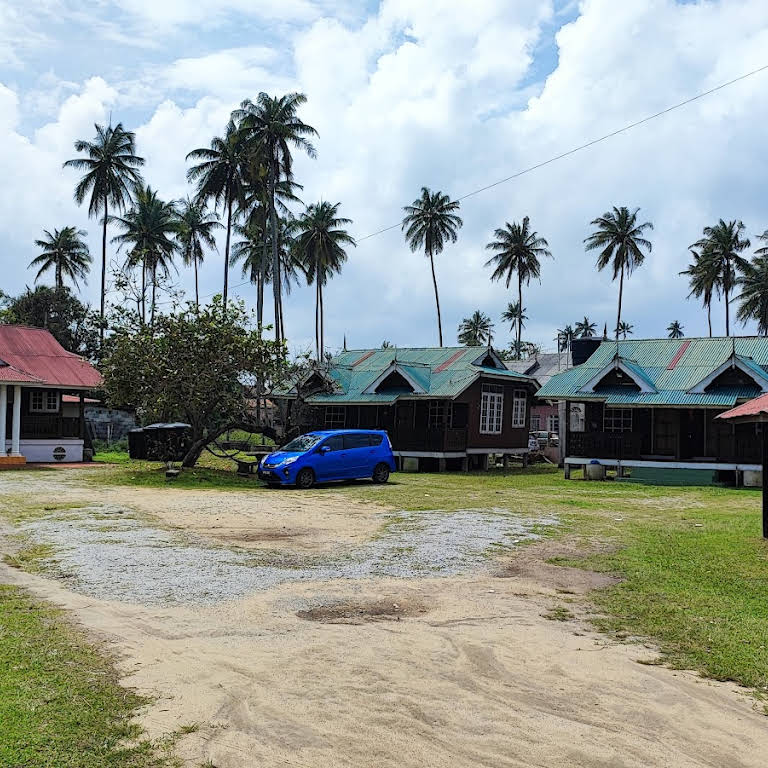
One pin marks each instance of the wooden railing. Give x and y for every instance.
(606, 445)
(48, 425)
(430, 439)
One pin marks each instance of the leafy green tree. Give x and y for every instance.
(194, 366)
(195, 230)
(675, 330)
(429, 223)
(704, 280)
(476, 330)
(723, 244)
(624, 329)
(753, 298)
(73, 324)
(218, 177)
(149, 230)
(319, 243)
(514, 315)
(518, 250)
(111, 173)
(585, 329)
(272, 127)
(66, 253)
(619, 238)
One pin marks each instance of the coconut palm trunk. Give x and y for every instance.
(144, 290)
(103, 272)
(621, 292)
(519, 312)
(726, 291)
(226, 249)
(322, 320)
(709, 319)
(275, 254)
(154, 286)
(262, 274)
(197, 290)
(437, 299)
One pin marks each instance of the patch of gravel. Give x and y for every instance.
(105, 552)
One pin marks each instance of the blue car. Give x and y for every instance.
(328, 455)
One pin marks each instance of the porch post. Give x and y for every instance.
(3, 414)
(765, 480)
(16, 423)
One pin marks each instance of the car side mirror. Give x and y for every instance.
(324, 449)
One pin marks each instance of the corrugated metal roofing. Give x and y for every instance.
(756, 407)
(40, 359)
(440, 371)
(654, 357)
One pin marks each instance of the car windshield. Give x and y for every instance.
(302, 443)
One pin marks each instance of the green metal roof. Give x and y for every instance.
(671, 366)
(439, 371)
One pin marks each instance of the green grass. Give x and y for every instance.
(60, 702)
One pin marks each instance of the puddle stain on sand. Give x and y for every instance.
(130, 561)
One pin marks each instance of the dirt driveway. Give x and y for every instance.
(308, 630)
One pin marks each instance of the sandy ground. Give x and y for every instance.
(448, 671)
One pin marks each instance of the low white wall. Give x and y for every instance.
(43, 450)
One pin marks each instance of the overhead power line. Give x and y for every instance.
(569, 152)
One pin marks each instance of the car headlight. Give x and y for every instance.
(289, 460)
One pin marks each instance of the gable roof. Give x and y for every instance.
(751, 411)
(542, 367)
(33, 356)
(431, 371)
(678, 371)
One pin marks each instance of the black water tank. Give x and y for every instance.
(160, 442)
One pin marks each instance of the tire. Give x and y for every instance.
(380, 473)
(305, 478)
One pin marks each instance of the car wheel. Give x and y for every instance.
(305, 479)
(381, 473)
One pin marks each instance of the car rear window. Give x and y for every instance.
(356, 441)
(375, 439)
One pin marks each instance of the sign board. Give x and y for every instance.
(59, 453)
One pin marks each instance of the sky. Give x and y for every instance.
(446, 94)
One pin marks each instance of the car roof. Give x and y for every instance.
(327, 432)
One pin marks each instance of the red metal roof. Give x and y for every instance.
(680, 352)
(33, 356)
(76, 399)
(756, 407)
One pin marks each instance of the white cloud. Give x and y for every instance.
(426, 93)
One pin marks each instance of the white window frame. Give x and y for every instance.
(519, 405)
(553, 422)
(48, 401)
(617, 420)
(535, 422)
(335, 417)
(491, 409)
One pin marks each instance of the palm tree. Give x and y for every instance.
(624, 330)
(620, 240)
(254, 251)
(195, 230)
(754, 291)
(476, 331)
(585, 329)
(517, 250)
(66, 253)
(675, 330)
(149, 229)
(111, 174)
(723, 243)
(272, 127)
(704, 280)
(564, 338)
(514, 315)
(218, 177)
(319, 241)
(430, 222)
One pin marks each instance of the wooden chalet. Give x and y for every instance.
(448, 407)
(42, 397)
(655, 402)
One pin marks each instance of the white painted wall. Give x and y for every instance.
(42, 450)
